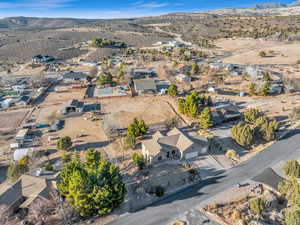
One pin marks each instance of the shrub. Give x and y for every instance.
(48, 166)
(172, 90)
(262, 54)
(292, 217)
(251, 115)
(64, 143)
(231, 154)
(257, 206)
(15, 170)
(159, 191)
(67, 157)
(292, 168)
(295, 114)
(242, 134)
(138, 159)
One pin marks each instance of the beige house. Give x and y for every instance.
(173, 146)
(26, 190)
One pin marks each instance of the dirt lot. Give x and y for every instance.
(11, 119)
(121, 111)
(54, 101)
(245, 51)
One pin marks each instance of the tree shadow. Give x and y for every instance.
(89, 145)
(186, 193)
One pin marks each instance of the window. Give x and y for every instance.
(159, 158)
(173, 152)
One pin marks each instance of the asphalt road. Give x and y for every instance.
(174, 206)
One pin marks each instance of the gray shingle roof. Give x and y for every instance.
(144, 84)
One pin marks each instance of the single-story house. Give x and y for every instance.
(42, 59)
(174, 145)
(182, 68)
(75, 76)
(276, 88)
(8, 102)
(225, 113)
(254, 72)
(184, 78)
(22, 135)
(72, 106)
(142, 73)
(144, 86)
(56, 125)
(20, 153)
(19, 88)
(23, 100)
(222, 66)
(25, 191)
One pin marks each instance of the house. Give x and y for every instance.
(8, 102)
(218, 65)
(27, 190)
(22, 136)
(176, 44)
(184, 68)
(225, 113)
(174, 145)
(56, 125)
(142, 73)
(182, 78)
(23, 100)
(276, 88)
(72, 106)
(19, 88)
(211, 90)
(42, 59)
(75, 77)
(145, 86)
(20, 153)
(254, 72)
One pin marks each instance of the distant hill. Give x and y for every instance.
(275, 5)
(295, 3)
(269, 5)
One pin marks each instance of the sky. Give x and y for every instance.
(104, 9)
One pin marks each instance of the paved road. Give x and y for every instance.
(174, 206)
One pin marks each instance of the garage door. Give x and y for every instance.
(191, 155)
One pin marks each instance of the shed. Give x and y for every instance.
(72, 106)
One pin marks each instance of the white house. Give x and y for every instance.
(182, 78)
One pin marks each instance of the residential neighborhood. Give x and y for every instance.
(177, 128)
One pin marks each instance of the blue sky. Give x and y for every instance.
(113, 8)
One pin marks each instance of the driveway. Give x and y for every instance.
(175, 206)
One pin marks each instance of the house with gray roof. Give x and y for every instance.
(145, 86)
(225, 113)
(72, 106)
(26, 190)
(75, 77)
(174, 145)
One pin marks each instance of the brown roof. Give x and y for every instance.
(28, 187)
(175, 138)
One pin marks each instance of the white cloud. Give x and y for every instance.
(154, 5)
(142, 4)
